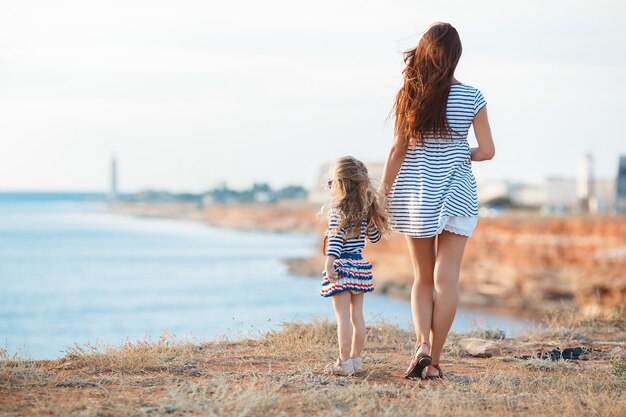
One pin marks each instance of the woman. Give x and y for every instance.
(429, 184)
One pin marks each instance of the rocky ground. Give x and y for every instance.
(530, 262)
(281, 374)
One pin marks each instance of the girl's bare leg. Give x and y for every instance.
(422, 253)
(358, 324)
(341, 304)
(450, 248)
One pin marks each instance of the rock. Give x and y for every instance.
(170, 408)
(576, 353)
(480, 348)
(553, 355)
(342, 382)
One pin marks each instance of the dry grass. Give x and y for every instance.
(20, 372)
(164, 355)
(281, 374)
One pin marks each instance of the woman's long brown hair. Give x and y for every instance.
(355, 198)
(420, 105)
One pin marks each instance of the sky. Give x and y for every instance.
(189, 94)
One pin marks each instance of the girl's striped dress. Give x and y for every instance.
(355, 273)
(435, 189)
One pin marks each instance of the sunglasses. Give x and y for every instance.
(330, 183)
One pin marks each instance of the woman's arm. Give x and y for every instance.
(394, 162)
(485, 149)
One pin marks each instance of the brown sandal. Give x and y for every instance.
(434, 377)
(418, 363)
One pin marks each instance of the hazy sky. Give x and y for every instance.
(192, 93)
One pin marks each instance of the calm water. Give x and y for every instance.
(70, 272)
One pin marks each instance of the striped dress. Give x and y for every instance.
(355, 273)
(435, 184)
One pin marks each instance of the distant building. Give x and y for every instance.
(553, 195)
(603, 199)
(584, 183)
(113, 193)
(620, 188)
(560, 196)
(493, 191)
(531, 195)
(261, 193)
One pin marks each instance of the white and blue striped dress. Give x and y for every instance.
(435, 186)
(354, 272)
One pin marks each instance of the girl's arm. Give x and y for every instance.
(396, 156)
(485, 149)
(334, 246)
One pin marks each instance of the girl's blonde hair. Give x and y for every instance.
(355, 199)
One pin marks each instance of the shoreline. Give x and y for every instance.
(155, 273)
(306, 267)
(272, 218)
(521, 263)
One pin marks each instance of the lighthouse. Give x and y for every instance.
(584, 184)
(113, 186)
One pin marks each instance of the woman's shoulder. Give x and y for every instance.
(465, 93)
(463, 88)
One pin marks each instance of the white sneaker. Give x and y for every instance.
(357, 363)
(341, 368)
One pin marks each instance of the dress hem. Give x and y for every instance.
(457, 231)
(443, 225)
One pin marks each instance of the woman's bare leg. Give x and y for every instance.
(450, 248)
(341, 304)
(423, 259)
(358, 324)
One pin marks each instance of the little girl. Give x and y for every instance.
(353, 214)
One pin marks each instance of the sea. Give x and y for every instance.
(74, 273)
